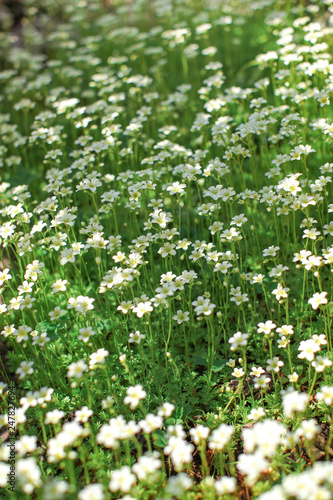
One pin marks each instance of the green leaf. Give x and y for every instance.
(170, 421)
(187, 410)
(219, 364)
(178, 413)
(200, 360)
(51, 329)
(159, 438)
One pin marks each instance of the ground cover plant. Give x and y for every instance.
(166, 250)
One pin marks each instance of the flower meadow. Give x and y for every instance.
(166, 239)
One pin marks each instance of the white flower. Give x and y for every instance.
(16, 303)
(261, 382)
(293, 377)
(142, 308)
(55, 489)
(92, 492)
(199, 433)
(176, 430)
(122, 479)
(294, 401)
(252, 466)
(265, 437)
(308, 348)
(124, 307)
(26, 444)
(134, 395)
(4, 474)
(290, 184)
(178, 484)
(55, 450)
(318, 299)
(239, 339)
(29, 474)
(59, 286)
(83, 415)
(220, 437)
(320, 363)
(122, 358)
(320, 339)
(4, 276)
(26, 287)
(54, 416)
(25, 369)
(225, 485)
(135, 337)
(107, 403)
(167, 249)
(308, 429)
(285, 330)
(176, 188)
(181, 316)
(147, 465)
(85, 333)
(274, 364)
(108, 434)
(266, 327)
(238, 373)
(98, 357)
(166, 410)
(280, 292)
(180, 451)
(275, 493)
(77, 369)
(256, 371)
(325, 394)
(256, 413)
(151, 423)
(270, 251)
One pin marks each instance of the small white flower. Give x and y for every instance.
(256, 413)
(83, 415)
(225, 485)
(25, 369)
(274, 364)
(135, 337)
(308, 348)
(142, 308)
(318, 299)
(220, 437)
(266, 327)
(238, 340)
(77, 369)
(294, 401)
(181, 316)
(325, 394)
(199, 433)
(122, 480)
(92, 492)
(238, 373)
(59, 286)
(134, 395)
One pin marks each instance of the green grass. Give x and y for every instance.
(166, 250)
